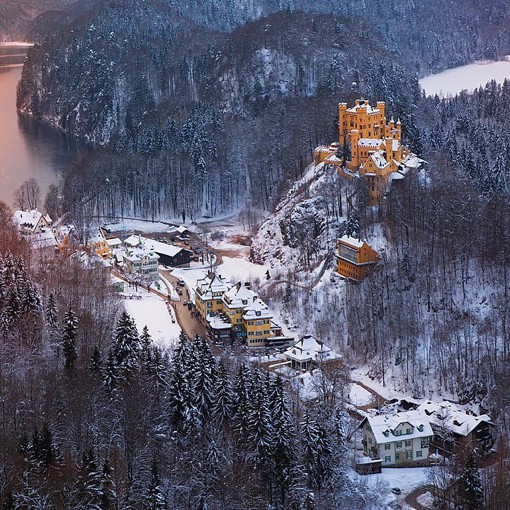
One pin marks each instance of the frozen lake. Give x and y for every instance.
(453, 81)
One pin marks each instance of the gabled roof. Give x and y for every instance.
(162, 248)
(211, 284)
(370, 142)
(378, 159)
(139, 252)
(448, 415)
(44, 239)
(239, 296)
(30, 219)
(384, 425)
(308, 349)
(257, 310)
(352, 241)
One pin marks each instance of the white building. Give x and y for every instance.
(308, 352)
(143, 261)
(31, 222)
(397, 439)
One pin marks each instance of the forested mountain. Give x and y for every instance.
(211, 117)
(32, 21)
(216, 114)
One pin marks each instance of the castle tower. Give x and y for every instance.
(398, 134)
(355, 158)
(342, 122)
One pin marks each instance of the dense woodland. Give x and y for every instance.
(214, 113)
(218, 113)
(95, 416)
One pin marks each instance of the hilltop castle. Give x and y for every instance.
(368, 146)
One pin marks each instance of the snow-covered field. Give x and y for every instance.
(151, 311)
(240, 269)
(359, 396)
(406, 479)
(451, 82)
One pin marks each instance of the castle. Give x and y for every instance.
(368, 146)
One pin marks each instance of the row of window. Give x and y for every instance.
(408, 456)
(258, 333)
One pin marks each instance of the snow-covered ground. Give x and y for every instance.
(451, 82)
(240, 269)
(139, 225)
(359, 396)
(406, 479)
(150, 310)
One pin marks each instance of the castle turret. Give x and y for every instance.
(355, 158)
(398, 134)
(342, 122)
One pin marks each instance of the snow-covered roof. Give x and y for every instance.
(44, 239)
(239, 296)
(384, 425)
(162, 248)
(181, 229)
(257, 310)
(113, 243)
(364, 105)
(211, 285)
(308, 348)
(352, 241)
(30, 219)
(139, 252)
(370, 142)
(218, 322)
(379, 159)
(449, 415)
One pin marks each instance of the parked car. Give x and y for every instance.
(181, 282)
(396, 491)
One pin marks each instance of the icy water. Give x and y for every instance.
(27, 148)
(451, 82)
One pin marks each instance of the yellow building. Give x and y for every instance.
(368, 146)
(256, 322)
(355, 258)
(237, 313)
(208, 295)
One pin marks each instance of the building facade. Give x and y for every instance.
(355, 258)
(368, 146)
(397, 439)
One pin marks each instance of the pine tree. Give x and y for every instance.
(352, 227)
(470, 486)
(110, 373)
(95, 360)
(69, 334)
(51, 312)
(126, 344)
(107, 494)
(223, 405)
(317, 452)
(154, 498)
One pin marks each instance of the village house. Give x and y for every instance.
(456, 430)
(237, 313)
(368, 146)
(100, 245)
(32, 222)
(355, 258)
(309, 353)
(169, 254)
(208, 295)
(141, 260)
(397, 439)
